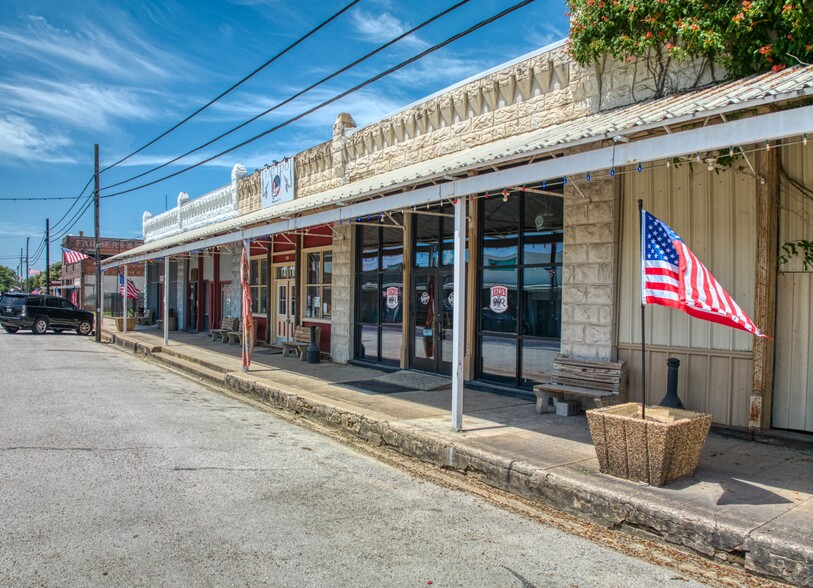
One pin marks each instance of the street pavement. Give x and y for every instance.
(748, 503)
(117, 472)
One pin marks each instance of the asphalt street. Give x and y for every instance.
(116, 472)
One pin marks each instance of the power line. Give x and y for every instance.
(297, 95)
(56, 224)
(252, 74)
(391, 70)
(29, 198)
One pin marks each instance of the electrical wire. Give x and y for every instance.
(252, 74)
(298, 94)
(389, 71)
(56, 224)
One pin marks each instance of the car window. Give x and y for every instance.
(34, 301)
(65, 303)
(53, 302)
(15, 301)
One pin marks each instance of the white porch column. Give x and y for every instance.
(166, 300)
(459, 313)
(124, 301)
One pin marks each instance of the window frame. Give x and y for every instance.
(260, 285)
(321, 285)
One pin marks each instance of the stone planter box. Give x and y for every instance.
(664, 447)
(131, 323)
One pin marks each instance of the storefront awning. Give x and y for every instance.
(367, 197)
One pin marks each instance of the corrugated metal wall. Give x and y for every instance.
(714, 212)
(793, 373)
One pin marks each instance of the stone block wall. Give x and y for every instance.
(341, 333)
(589, 271)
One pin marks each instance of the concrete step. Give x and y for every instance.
(199, 360)
(189, 367)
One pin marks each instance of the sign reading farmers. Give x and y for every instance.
(393, 297)
(277, 183)
(499, 299)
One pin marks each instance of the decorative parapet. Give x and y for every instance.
(543, 89)
(218, 205)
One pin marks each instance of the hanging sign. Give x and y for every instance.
(499, 299)
(277, 183)
(393, 297)
(425, 298)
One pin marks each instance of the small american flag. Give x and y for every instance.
(673, 276)
(34, 272)
(73, 256)
(132, 291)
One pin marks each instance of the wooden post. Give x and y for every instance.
(96, 243)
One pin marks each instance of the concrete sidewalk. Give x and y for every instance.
(749, 503)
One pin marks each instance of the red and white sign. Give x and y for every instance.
(393, 297)
(499, 299)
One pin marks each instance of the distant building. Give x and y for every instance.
(78, 280)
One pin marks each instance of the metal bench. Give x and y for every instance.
(299, 344)
(227, 325)
(605, 382)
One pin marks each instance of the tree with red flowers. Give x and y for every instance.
(745, 37)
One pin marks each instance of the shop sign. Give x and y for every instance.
(394, 297)
(277, 183)
(499, 299)
(425, 298)
(451, 298)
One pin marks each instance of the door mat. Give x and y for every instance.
(376, 386)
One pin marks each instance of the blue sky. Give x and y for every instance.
(121, 73)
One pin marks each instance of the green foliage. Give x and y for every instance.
(55, 273)
(8, 278)
(745, 36)
(793, 249)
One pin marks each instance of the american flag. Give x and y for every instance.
(34, 272)
(73, 256)
(673, 276)
(132, 291)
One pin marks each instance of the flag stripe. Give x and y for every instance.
(73, 256)
(674, 277)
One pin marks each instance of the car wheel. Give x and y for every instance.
(40, 325)
(84, 328)
(11, 329)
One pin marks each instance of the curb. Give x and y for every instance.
(788, 559)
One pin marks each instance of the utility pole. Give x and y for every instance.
(20, 274)
(48, 256)
(27, 279)
(98, 288)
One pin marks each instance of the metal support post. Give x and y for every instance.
(124, 301)
(96, 238)
(166, 300)
(459, 313)
(48, 256)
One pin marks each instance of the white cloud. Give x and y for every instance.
(381, 28)
(121, 53)
(85, 106)
(19, 139)
(17, 230)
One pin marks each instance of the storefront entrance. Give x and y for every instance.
(284, 302)
(431, 321)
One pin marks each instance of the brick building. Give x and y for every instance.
(77, 282)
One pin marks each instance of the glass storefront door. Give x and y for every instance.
(431, 324)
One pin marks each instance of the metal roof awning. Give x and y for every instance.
(366, 196)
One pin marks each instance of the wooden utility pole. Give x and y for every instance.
(48, 256)
(26, 276)
(98, 288)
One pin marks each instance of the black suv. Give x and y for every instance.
(39, 313)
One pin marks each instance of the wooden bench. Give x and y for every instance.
(146, 319)
(299, 344)
(604, 382)
(227, 325)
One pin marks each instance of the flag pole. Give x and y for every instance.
(643, 314)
